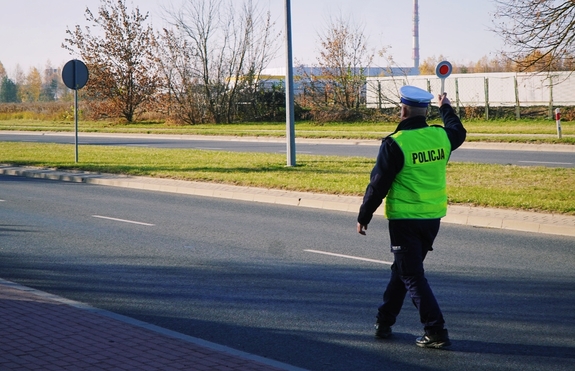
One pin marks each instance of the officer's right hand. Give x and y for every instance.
(442, 99)
(361, 228)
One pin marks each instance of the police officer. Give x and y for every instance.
(410, 174)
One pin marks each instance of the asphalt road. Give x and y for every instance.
(523, 158)
(257, 278)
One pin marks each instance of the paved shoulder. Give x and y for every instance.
(563, 225)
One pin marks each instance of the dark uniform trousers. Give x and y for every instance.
(411, 239)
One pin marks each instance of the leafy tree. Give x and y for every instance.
(8, 91)
(52, 85)
(427, 67)
(49, 91)
(121, 61)
(482, 66)
(32, 88)
(538, 33)
(503, 64)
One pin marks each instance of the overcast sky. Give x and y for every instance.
(32, 31)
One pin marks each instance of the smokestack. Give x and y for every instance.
(416, 35)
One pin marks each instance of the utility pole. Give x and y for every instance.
(290, 122)
(416, 35)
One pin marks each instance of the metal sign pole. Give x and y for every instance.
(76, 109)
(76, 120)
(558, 122)
(75, 75)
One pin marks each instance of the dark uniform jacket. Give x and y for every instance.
(390, 159)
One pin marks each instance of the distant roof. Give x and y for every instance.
(369, 71)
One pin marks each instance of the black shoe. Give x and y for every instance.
(382, 332)
(437, 341)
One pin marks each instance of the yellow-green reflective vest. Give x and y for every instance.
(419, 189)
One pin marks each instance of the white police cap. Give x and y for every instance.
(414, 96)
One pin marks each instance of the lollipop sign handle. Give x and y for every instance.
(443, 70)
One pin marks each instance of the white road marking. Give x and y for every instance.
(122, 220)
(349, 257)
(544, 162)
(304, 152)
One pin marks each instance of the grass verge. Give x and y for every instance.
(527, 188)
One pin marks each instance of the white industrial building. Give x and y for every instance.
(481, 89)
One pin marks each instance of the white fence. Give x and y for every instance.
(485, 89)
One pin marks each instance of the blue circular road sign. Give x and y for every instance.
(75, 74)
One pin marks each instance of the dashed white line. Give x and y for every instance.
(122, 220)
(349, 257)
(544, 162)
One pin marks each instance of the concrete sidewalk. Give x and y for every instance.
(44, 332)
(554, 224)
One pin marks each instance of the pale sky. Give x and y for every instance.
(32, 31)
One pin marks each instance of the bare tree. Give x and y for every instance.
(342, 62)
(217, 50)
(183, 98)
(121, 61)
(540, 33)
(2, 71)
